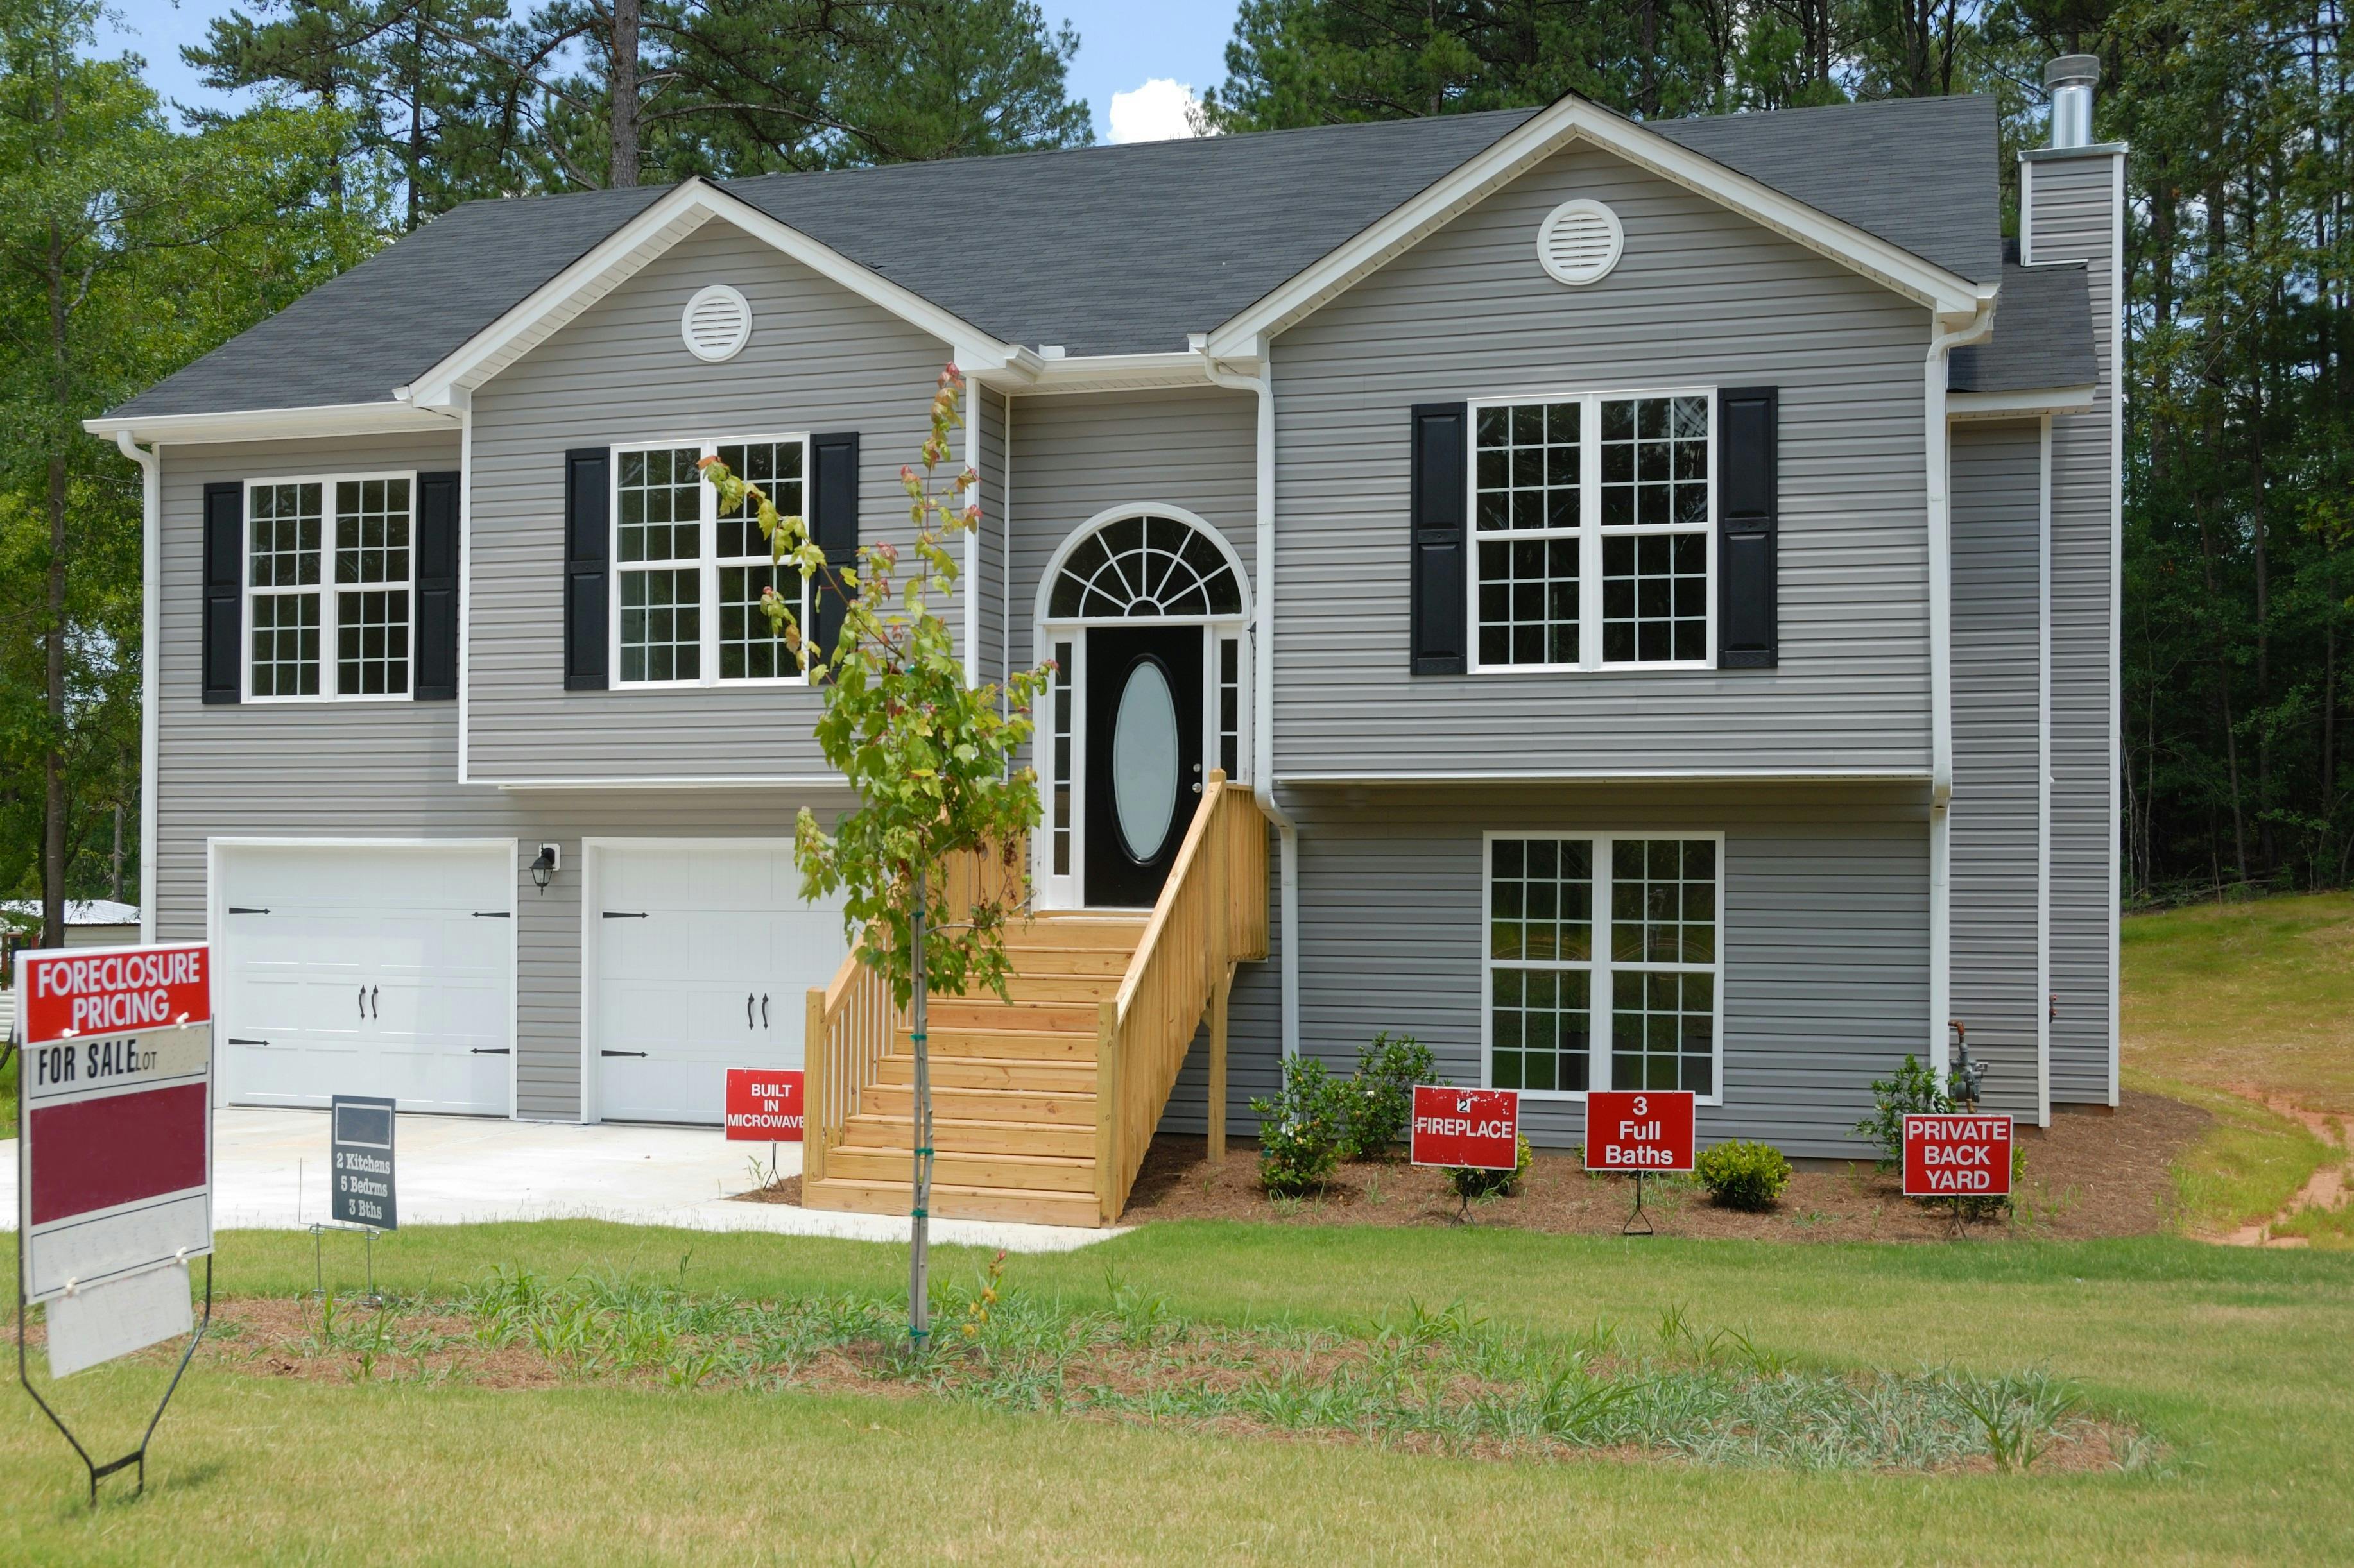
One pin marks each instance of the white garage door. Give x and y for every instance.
(366, 970)
(705, 951)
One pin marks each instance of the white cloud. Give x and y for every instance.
(1160, 110)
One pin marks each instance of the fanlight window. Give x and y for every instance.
(1144, 567)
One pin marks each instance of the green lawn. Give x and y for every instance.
(2253, 994)
(2236, 1360)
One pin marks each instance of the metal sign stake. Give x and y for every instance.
(137, 1455)
(1628, 1228)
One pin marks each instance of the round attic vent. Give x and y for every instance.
(717, 322)
(1580, 241)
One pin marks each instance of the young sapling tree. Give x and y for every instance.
(929, 757)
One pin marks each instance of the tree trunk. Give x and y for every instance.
(625, 170)
(53, 763)
(417, 109)
(920, 1222)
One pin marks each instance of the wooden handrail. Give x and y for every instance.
(1212, 913)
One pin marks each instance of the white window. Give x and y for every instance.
(1593, 534)
(330, 586)
(1604, 963)
(688, 578)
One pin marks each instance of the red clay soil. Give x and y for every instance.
(2087, 1175)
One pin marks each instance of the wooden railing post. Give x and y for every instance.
(816, 1111)
(1218, 1069)
(1107, 1110)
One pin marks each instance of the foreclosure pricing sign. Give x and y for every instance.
(1478, 1128)
(1957, 1156)
(764, 1105)
(1638, 1129)
(114, 1172)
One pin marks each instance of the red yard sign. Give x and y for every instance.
(115, 1164)
(764, 1105)
(1638, 1129)
(114, 990)
(1479, 1129)
(1957, 1156)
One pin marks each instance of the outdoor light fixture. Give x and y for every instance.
(550, 858)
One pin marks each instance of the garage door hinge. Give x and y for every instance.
(625, 914)
(490, 914)
(489, 1050)
(238, 909)
(621, 1052)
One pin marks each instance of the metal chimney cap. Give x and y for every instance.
(2073, 70)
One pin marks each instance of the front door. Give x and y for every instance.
(1144, 757)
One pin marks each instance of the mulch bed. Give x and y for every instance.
(2086, 1176)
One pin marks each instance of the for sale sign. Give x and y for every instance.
(1638, 1129)
(1475, 1127)
(1957, 1156)
(114, 1165)
(764, 1105)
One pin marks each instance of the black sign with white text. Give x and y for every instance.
(360, 1137)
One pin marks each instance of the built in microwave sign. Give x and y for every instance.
(764, 1105)
(1957, 1156)
(1478, 1128)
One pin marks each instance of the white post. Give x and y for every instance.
(919, 1306)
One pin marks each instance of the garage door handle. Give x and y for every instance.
(764, 1010)
(363, 1002)
(748, 1010)
(240, 909)
(374, 1011)
(235, 1041)
(625, 914)
(621, 1052)
(489, 1050)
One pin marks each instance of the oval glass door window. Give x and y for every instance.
(1144, 761)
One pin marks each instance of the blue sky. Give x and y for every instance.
(1123, 44)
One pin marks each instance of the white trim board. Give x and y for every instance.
(1567, 121)
(2026, 405)
(391, 417)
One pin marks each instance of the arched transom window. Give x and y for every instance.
(1145, 566)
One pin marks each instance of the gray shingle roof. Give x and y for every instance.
(1101, 250)
(2043, 334)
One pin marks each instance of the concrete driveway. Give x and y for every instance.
(269, 1172)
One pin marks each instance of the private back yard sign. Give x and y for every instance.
(114, 1158)
(1957, 1155)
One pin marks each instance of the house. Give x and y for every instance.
(1653, 587)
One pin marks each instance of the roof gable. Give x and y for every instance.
(1104, 250)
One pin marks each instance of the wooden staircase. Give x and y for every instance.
(1043, 1103)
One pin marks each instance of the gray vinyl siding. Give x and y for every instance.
(1700, 298)
(1997, 765)
(2072, 218)
(384, 770)
(1077, 454)
(1826, 937)
(820, 360)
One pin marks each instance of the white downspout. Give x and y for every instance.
(1263, 681)
(1941, 676)
(150, 615)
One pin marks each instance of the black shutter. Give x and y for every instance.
(224, 590)
(1438, 491)
(587, 554)
(434, 677)
(833, 525)
(1747, 481)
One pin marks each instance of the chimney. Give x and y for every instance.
(2070, 79)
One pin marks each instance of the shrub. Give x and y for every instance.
(1747, 1176)
(1913, 1091)
(1379, 1101)
(1301, 1128)
(1469, 1181)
